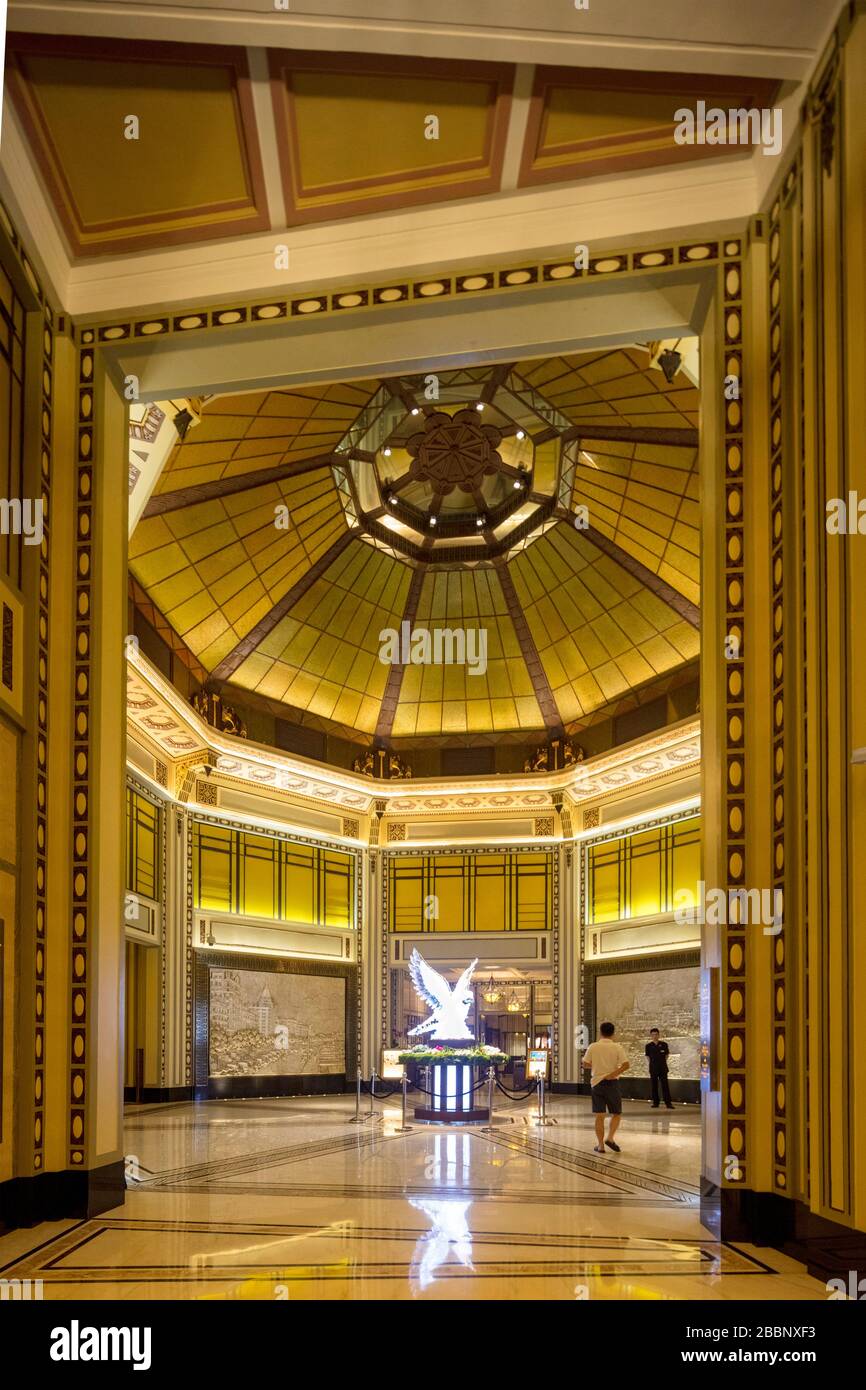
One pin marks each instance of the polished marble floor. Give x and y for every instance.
(286, 1199)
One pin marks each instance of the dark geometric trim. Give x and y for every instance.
(158, 1095)
(677, 437)
(227, 487)
(827, 1248)
(388, 708)
(72, 1193)
(669, 595)
(540, 684)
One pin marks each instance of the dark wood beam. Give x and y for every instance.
(497, 378)
(402, 392)
(674, 437)
(391, 697)
(227, 487)
(540, 684)
(666, 592)
(266, 625)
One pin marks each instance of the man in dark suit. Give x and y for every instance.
(657, 1052)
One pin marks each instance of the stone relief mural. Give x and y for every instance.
(266, 1024)
(665, 999)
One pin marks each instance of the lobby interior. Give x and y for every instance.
(433, 458)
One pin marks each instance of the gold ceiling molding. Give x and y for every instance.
(193, 170)
(477, 284)
(158, 716)
(589, 121)
(355, 133)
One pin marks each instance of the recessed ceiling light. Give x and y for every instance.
(432, 521)
(387, 452)
(479, 521)
(416, 410)
(392, 500)
(480, 405)
(517, 485)
(521, 434)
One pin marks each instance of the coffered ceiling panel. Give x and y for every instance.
(227, 137)
(217, 568)
(264, 429)
(193, 168)
(323, 658)
(354, 132)
(539, 521)
(589, 121)
(598, 629)
(592, 388)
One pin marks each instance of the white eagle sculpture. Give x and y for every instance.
(447, 1022)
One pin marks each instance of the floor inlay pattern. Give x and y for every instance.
(284, 1199)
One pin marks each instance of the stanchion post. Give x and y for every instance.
(371, 1113)
(358, 1120)
(404, 1128)
(491, 1078)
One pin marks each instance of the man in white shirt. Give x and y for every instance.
(607, 1061)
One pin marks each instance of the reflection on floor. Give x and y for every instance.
(285, 1199)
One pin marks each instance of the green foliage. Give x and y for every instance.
(431, 1055)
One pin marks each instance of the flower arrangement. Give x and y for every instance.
(431, 1054)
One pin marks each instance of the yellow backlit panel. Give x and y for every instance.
(643, 874)
(610, 388)
(242, 434)
(508, 891)
(485, 687)
(598, 630)
(268, 876)
(323, 656)
(217, 568)
(644, 497)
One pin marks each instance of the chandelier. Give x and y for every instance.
(513, 1005)
(491, 992)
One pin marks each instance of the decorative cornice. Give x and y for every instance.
(158, 715)
(475, 285)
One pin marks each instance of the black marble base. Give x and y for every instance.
(245, 1087)
(828, 1249)
(636, 1088)
(55, 1196)
(157, 1095)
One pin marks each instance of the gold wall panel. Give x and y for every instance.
(509, 891)
(261, 875)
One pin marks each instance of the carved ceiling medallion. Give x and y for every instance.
(455, 451)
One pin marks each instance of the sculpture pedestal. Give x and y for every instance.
(452, 1098)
